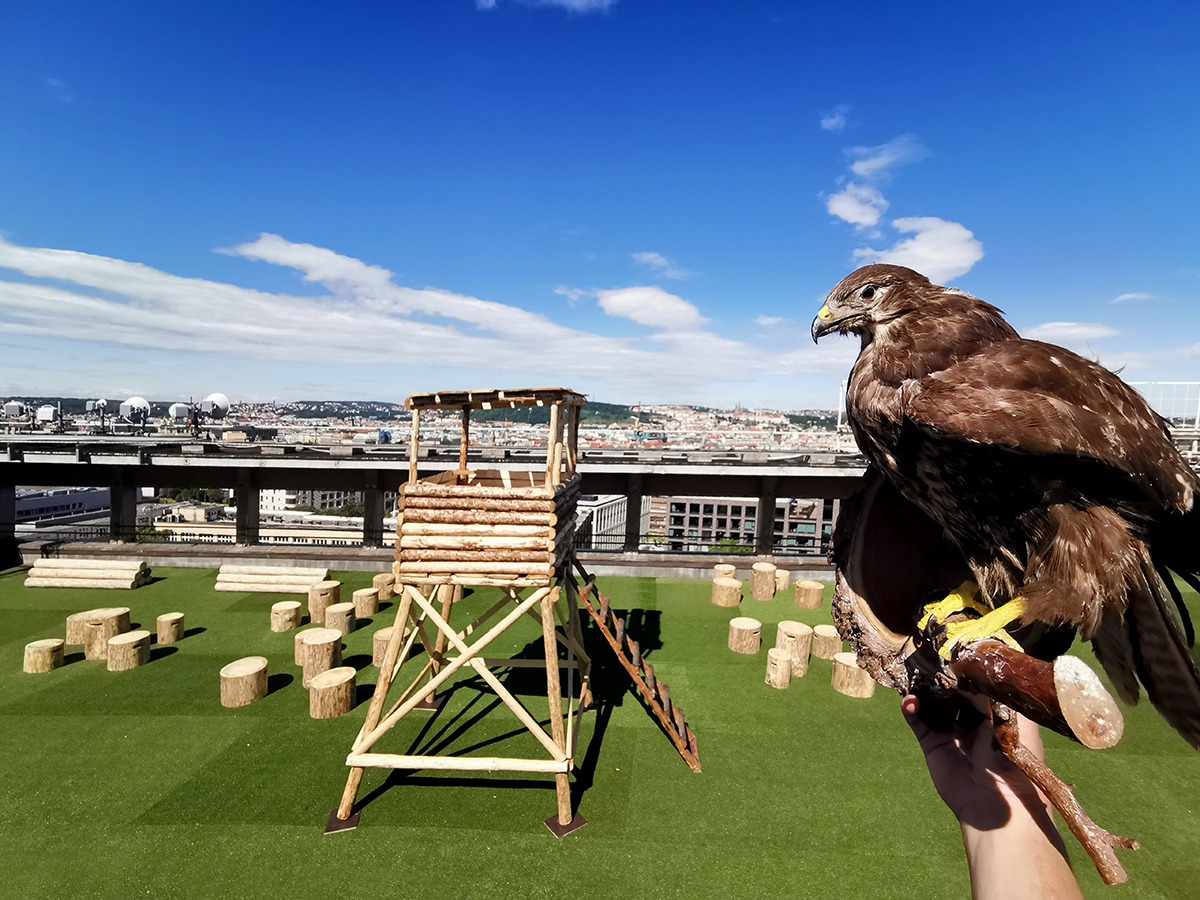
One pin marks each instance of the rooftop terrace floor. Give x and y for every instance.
(139, 783)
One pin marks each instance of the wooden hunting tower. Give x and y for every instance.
(503, 529)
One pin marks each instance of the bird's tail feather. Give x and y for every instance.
(1161, 653)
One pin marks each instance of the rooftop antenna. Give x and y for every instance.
(98, 406)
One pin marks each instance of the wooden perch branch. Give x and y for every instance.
(1065, 696)
(1099, 843)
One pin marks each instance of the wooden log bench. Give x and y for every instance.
(268, 579)
(119, 574)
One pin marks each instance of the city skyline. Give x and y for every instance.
(641, 201)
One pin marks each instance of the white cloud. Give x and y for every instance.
(661, 265)
(859, 204)
(879, 162)
(60, 90)
(769, 321)
(1070, 332)
(573, 295)
(1136, 295)
(485, 4)
(940, 250)
(119, 323)
(653, 307)
(575, 6)
(835, 120)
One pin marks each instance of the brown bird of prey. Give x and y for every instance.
(1059, 485)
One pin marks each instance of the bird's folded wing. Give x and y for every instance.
(1039, 400)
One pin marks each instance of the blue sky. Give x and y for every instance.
(644, 201)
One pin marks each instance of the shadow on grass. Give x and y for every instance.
(364, 622)
(359, 661)
(192, 632)
(362, 693)
(278, 682)
(162, 650)
(73, 657)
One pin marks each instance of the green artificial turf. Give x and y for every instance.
(139, 783)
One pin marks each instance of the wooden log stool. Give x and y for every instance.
(826, 642)
(298, 646)
(796, 639)
(385, 583)
(779, 668)
(782, 579)
(340, 616)
(366, 602)
(379, 642)
(724, 570)
(44, 655)
(331, 693)
(322, 595)
(243, 681)
(285, 615)
(745, 635)
(129, 650)
(92, 628)
(762, 580)
(849, 679)
(808, 594)
(726, 592)
(168, 628)
(321, 650)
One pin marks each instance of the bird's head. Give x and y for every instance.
(869, 297)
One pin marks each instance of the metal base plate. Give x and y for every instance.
(431, 704)
(561, 830)
(335, 824)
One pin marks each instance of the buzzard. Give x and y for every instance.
(1056, 482)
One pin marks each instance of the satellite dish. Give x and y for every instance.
(179, 411)
(135, 409)
(97, 405)
(215, 406)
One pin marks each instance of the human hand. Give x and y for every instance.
(970, 772)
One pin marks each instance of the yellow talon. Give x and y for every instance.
(962, 597)
(990, 624)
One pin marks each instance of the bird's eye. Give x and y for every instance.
(868, 292)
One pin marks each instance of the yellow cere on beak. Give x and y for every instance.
(824, 315)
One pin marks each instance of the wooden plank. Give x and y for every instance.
(485, 568)
(456, 763)
(520, 504)
(474, 542)
(474, 528)
(408, 555)
(416, 516)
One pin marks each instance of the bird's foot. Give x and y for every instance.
(989, 623)
(962, 597)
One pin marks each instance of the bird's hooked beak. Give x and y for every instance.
(823, 323)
